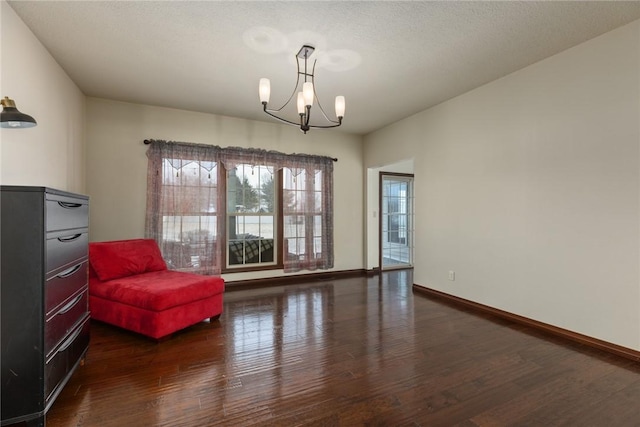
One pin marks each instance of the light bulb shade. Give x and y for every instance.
(300, 103)
(307, 91)
(264, 90)
(340, 105)
(12, 118)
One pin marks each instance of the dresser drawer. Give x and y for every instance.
(60, 363)
(65, 248)
(64, 284)
(62, 321)
(66, 212)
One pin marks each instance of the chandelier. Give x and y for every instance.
(306, 96)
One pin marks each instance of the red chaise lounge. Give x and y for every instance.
(131, 287)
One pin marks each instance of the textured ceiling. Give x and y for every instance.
(389, 59)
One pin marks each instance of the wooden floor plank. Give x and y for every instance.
(347, 352)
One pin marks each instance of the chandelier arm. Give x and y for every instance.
(338, 123)
(318, 101)
(295, 89)
(279, 118)
(325, 115)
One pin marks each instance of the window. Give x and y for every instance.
(212, 209)
(187, 213)
(251, 215)
(303, 215)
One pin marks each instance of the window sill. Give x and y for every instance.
(245, 268)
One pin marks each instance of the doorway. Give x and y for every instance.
(396, 220)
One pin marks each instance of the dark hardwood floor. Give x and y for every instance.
(348, 352)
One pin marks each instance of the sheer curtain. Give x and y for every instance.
(308, 215)
(186, 204)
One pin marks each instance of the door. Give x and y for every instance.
(396, 220)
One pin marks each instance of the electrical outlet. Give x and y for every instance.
(452, 275)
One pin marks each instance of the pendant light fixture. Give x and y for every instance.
(12, 118)
(305, 96)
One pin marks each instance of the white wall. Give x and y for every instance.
(117, 167)
(528, 188)
(52, 153)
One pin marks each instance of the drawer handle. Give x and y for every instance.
(69, 239)
(69, 341)
(69, 305)
(69, 272)
(68, 205)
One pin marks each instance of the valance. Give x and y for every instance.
(232, 156)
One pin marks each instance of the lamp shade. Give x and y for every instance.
(340, 106)
(300, 103)
(307, 91)
(264, 90)
(12, 118)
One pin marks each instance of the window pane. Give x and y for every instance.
(251, 189)
(252, 225)
(317, 247)
(317, 236)
(236, 252)
(189, 224)
(294, 248)
(251, 251)
(288, 198)
(236, 226)
(317, 225)
(190, 187)
(267, 190)
(293, 226)
(208, 173)
(171, 227)
(317, 202)
(266, 227)
(189, 240)
(210, 225)
(266, 250)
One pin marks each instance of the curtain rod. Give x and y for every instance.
(148, 141)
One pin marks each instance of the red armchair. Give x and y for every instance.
(131, 287)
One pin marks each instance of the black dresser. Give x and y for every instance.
(43, 296)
